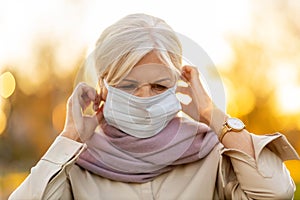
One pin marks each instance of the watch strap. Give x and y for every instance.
(224, 131)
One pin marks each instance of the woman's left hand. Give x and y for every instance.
(201, 105)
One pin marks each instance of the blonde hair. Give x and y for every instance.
(122, 45)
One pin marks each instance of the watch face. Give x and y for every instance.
(235, 123)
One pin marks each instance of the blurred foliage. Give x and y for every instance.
(33, 115)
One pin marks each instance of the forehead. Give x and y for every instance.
(150, 72)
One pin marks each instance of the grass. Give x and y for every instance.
(297, 193)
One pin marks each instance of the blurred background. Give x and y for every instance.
(255, 46)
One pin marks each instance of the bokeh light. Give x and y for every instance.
(7, 84)
(3, 121)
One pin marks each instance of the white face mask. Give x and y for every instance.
(140, 117)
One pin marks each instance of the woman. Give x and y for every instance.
(135, 146)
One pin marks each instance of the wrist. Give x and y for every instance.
(215, 118)
(206, 114)
(71, 135)
(211, 112)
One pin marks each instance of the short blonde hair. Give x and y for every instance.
(122, 45)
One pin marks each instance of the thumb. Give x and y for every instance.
(91, 123)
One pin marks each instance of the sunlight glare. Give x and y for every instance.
(288, 99)
(285, 77)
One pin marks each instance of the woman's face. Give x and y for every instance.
(149, 77)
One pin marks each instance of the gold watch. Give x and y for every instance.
(231, 124)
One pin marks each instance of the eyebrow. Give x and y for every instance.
(129, 80)
(157, 81)
(163, 79)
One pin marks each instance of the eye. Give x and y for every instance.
(127, 87)
(158, 87)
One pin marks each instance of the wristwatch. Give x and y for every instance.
(231, 124)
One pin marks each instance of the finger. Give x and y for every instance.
(91, 92)
(86, 94)
(91, 123)
(185, 74)
(76, 112)
(190, 70)
(97, 102)
(187, 69)
(79, 100)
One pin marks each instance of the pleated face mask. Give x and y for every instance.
(141, 117)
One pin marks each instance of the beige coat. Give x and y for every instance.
(223, 174)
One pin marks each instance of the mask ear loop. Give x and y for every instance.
(105, 84)
(178, 78)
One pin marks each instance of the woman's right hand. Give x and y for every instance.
(80, 127)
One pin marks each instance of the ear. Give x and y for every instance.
(102, 90)
(103, 93)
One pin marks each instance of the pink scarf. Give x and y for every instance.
(118, 156)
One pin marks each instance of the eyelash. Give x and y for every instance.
(131, 86)
(153, 86)
(158, 87)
